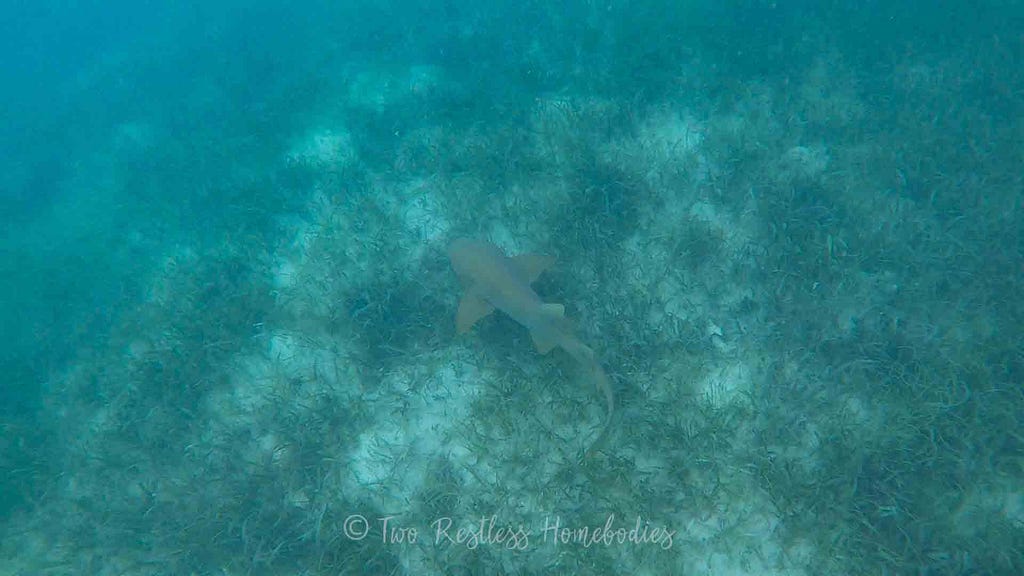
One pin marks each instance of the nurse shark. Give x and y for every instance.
(491, 280)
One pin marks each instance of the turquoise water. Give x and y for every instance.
(791, 234)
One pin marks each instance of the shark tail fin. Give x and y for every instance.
(604, 385)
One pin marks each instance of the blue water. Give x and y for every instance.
(791, 231)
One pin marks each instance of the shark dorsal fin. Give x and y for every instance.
(553, 310)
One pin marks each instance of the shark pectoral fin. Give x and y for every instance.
(471, 309)
(543, 341)
(531, 265)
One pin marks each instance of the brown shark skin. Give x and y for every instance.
(492, 280)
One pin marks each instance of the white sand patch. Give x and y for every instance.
(291, 366)
(1002, 498)
(1013, 506)
(556, 122)
(283, 273)
(807, 161)
(504, 238)
(725, 385)
(134, 138)
(740, 540)
(381, 89)
(323, 148)
(416, 413)
(296, 258)
(735, 235)
(424, 79)
(247, 393)
(672, 134)
(674, 297)
(424, 217)
(667, 144)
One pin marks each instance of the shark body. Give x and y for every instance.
(492, 280)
